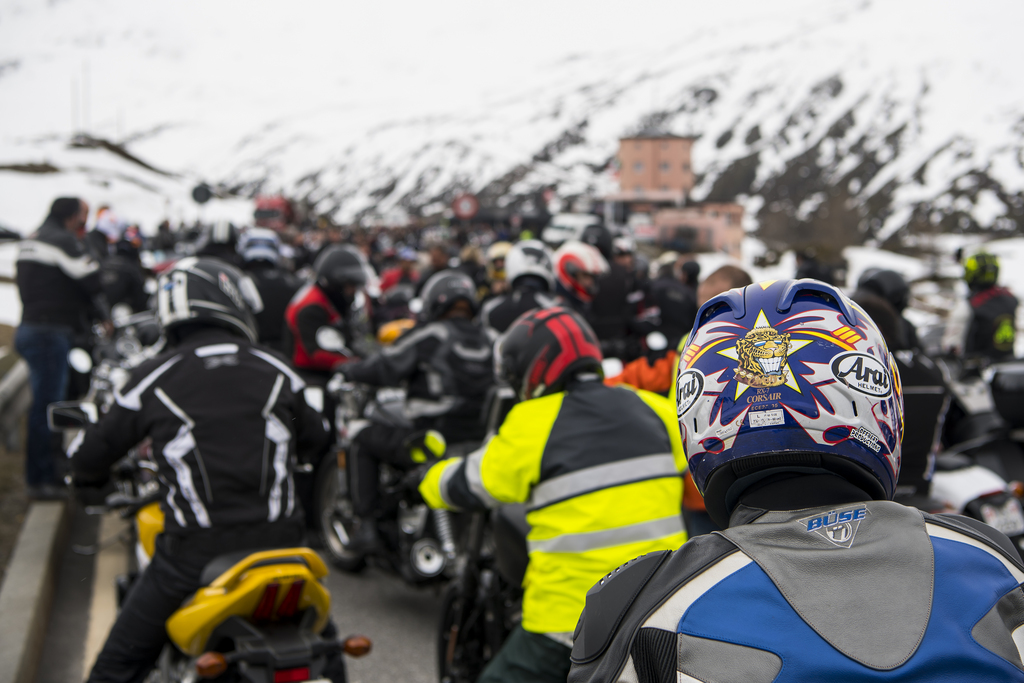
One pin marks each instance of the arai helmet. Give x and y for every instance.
(787, 376)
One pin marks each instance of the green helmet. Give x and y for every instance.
(981, 270)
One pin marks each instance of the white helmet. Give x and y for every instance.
(260, 244)
(530, 257)
(573, 258)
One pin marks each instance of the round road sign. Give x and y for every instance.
(465, 206)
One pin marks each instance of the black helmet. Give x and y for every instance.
(221, 232)
(208, 291)
(339, 265)
(981, 270)
(600, 238)
(887, 284)
(443, 289)
(543, 349)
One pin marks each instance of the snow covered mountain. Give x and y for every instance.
(834, 122)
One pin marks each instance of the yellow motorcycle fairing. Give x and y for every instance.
(390, 332)
(240, 591)
(149, 523)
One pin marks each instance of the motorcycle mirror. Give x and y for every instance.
(656, 341)
(80, 360)
(71, 415)
(416, 306)
(329, 339)
(612, 367)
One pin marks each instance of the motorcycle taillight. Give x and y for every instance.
(291, 600)
(266, 607)
(291, 675)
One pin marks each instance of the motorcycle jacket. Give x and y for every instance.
(276, 287)
(925, 401)
(59, 280)
(670, 307)
(447, 367)
(501, 311)
(312, 322)
(992, 329)
(610, 312)
(871, 591)
(599, 470)
(225, 417)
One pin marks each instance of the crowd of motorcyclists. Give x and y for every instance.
(784, 414)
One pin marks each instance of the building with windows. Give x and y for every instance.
(655, 167)
(655, 181)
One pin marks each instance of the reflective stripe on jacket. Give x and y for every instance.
(599, 469)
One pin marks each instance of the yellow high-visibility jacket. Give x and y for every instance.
(600, 471)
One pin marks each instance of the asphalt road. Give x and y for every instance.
(399, 619)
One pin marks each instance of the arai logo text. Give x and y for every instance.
(862, 373)
(689, 388)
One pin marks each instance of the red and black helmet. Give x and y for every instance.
(543, 349)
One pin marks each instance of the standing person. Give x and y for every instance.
(260, 249)
(818, 575)
(528, 269)
(61, 294)
(227, 418)
(105, 234)
(992, 329)
(610, 312)
(598, 467)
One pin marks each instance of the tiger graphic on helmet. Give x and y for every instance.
(795, 371)
(762, 355)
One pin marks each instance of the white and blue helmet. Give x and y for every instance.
(260, 244)
(787, 376)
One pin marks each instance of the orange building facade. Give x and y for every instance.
(655, 180)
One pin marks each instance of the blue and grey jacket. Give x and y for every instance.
(866, 592)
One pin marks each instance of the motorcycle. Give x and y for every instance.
(258, 617)
(980, 472)
(483, 602)
(416, 542)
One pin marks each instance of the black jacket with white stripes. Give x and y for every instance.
(447, 367)
(225, 417)
(59, 280)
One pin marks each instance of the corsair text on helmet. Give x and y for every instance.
(785, 377)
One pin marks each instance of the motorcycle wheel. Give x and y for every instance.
(462, 651)
(335, 510)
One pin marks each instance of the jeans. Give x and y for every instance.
(45, 349)
(139, 634)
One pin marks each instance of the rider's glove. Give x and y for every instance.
(425, 446)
